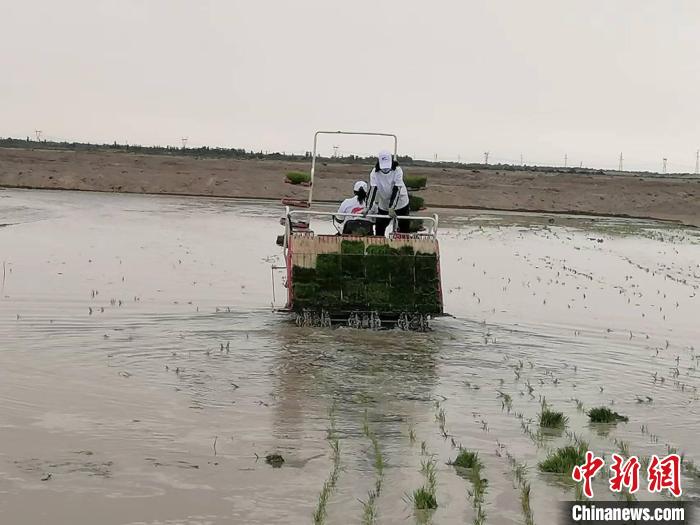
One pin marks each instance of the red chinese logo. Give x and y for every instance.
(586, 472)
(625, 474)
(665, 474)
(662, 474)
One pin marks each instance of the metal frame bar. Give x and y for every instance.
(432, 230)
(367, 133)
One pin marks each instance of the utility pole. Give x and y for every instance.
(566, 159)
(521, 160)
(37, 132)
(335, 151)
(486, 157)
(697, 162)
(619, 167)
(184, 142)
(459, 158)
(664, 168)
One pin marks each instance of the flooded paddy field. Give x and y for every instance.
(144, 377)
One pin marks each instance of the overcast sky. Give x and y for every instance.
(541, 78)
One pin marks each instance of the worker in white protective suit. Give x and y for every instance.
(356, 205)
(388, 191)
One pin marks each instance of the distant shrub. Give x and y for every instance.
(297, 177)
(414, 182)
(415, 203)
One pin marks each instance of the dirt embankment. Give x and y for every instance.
(625, 195)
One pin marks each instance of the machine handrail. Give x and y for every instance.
(289, 214)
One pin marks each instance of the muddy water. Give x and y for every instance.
(144, 376)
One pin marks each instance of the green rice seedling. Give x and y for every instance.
(328, 486)
(519, 473)
(563, 460)
(424, 499)
(415, 182)
(441, 418)
(525, 503)
(381, 249)
(552, 419)
(466, 459)
(411, 434)
(369, 514)
(623, 447)
(352, 247)
(319, 515)
(430, 472)
(579, 404)
(328, 266)
(298, 177)
(605, 415)
(506, 400)
(415, 203)
(378, 295)
(426, 268)
(352, 266)
(479, 484)
(305, 275)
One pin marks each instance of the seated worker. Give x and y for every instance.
(389, 192)
(356, 205)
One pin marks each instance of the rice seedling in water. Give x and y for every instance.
(605, 415)
(623, 447)
(411, 435)
(563, 460)
(478, 492)
(329, 485)
(429, 471)
(369, 514)
(441, 418)
(465, 459)
(506, 400)
(424, 499)
(552, 419)
(525, 503)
